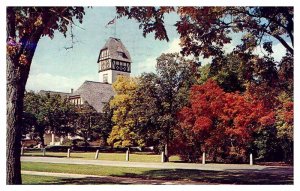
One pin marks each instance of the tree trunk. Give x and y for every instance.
(14, 102)
(41, 135)
(166, 152)
(16, 76)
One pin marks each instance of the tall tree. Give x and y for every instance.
(146, 104)
(122, 133)
(146, 113)
(24, 28)
(175, 75)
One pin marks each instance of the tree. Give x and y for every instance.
(33, 118)
(59, 114)
(159, 96)
(102, 123)
(122, 133)
(83, 126)
(205, 30)
(220, 123)
(24, 27)
(285, 126)
(45, 112)
(175, 76)
(145, 107)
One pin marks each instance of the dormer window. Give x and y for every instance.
(122, 54)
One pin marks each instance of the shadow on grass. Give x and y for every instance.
(271, 175)
(77, 181)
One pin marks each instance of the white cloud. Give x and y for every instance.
(146, 66)
(173, 46)
(278, 51)
(46, 81)
(149, 64)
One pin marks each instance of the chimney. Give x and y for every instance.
(71, 90)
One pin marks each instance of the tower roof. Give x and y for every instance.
(116, 50)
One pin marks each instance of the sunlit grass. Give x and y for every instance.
(134, 157)
(33, 179)
(82, 169)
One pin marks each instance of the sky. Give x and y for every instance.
(57, 69)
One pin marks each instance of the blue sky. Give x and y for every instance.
(57, 69)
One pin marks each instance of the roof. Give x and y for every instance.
(51, 93)
(95, 93)
(114, 45)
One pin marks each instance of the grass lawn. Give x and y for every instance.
(32, 179)
(82, 169)
(202, 176)
(134, 157)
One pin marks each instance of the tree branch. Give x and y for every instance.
(63, 17)
(285, 44)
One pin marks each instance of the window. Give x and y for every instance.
(120, 53)
(113, 64)
(105, 78)
(104, 53)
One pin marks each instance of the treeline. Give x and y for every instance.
(237, 105)
(55, 114)
(223, 109)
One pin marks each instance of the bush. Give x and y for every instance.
(82, 144)
(60, 148)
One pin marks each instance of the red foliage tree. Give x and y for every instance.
(221, 123)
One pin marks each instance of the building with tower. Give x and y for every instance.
(113, 60)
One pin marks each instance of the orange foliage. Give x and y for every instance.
(223, 120)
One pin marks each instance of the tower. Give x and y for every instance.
(113, 60)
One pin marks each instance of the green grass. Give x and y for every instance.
(134, 157)
(201, 176)
(81, 169)
(33, 179)
(42, 180)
